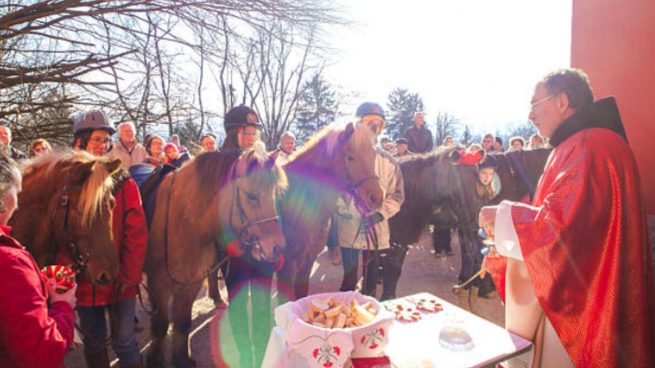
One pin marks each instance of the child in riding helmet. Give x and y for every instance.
(241, 127)
(92, 132)
(247, 280)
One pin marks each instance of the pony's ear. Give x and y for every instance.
(347, 133)
(80, 172)
(112, 166)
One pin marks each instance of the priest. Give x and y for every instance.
(578, 278)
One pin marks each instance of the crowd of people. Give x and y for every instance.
(572, 228)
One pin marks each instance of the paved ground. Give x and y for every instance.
(421, 272)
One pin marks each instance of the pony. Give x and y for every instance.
(66, 209)
(432, 184)
(439, 190)
(227, 198)
(335, 160)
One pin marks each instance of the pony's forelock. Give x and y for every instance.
(93, 193)
(95, 188)
(261, 174)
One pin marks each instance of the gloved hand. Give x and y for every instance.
(68, 296)
(375, 218)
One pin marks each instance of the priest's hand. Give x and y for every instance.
(487, 220)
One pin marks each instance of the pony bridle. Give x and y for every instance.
(80, 259)
(353, 185)
(248, 241)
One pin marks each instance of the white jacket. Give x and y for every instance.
(136, 156)
(348, 217)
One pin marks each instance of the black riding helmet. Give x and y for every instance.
(241, 116)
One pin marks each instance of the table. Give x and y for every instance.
(416, 344)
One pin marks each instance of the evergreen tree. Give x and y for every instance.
(317, 108)
(401, 106)
(467, 136)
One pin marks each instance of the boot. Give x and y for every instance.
(99, 359)
(463, 299)
(473, 300)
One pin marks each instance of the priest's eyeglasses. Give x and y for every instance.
(539, 102)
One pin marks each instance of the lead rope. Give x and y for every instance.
(371, 237)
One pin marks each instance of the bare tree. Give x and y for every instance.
(88, 46)
(445, 125)
(274, 73)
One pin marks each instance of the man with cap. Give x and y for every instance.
(401, 147)
(353, 227)
(92, 133)
(5, 140)
(419, 138)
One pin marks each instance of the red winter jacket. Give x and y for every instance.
(31, 334)
(131, 238)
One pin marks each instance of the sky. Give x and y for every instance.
(477, 60)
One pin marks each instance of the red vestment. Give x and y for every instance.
(584, 245)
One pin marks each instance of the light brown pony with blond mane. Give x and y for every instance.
(337, 159)
(216, 198)
(66, 207)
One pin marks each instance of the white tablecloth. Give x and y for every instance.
(416, 344)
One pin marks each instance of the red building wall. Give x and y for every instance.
(613, 41)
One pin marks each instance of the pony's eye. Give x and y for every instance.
(350, 158)
(251, 197)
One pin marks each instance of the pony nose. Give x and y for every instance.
(103, 278)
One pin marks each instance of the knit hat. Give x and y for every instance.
(170, 145)
(241, 116)
(489, 161)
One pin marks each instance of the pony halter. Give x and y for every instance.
(248, 242)
(80, 259)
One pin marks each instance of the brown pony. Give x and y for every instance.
(66, 205)
(216, 198)
(335, 160)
